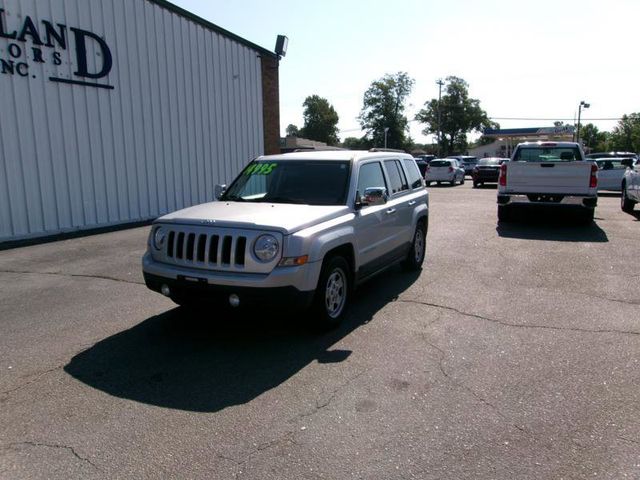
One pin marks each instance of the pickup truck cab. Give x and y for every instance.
(550, 174)
(294, 230)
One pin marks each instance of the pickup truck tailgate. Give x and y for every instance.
(568, 178)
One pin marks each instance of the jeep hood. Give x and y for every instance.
(282, 217)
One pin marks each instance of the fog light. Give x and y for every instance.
(165, 290)
(234, 300)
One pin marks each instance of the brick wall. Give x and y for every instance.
(270, 104)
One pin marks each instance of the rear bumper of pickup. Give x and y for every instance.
(548, 199)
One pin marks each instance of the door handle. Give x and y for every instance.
(391, 211)
(412, 203)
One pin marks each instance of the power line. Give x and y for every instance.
(552, 119)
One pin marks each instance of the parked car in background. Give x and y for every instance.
(425, 157)
(422, 166)
(593, 156)
(466, 161)
(445, 170)
(630, 188)
(611, 172)
(487, 170)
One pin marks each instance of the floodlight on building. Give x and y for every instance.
(281, 45)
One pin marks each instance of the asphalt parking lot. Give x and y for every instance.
(514, 354)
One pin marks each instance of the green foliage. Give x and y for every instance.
(292, 130)
(383, 107)
(592, 138)
(353, 143)
(459, 115)
(626, 135)
(320, 120)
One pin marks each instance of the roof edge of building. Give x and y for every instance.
(211, 26)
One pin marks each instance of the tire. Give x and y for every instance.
(462, 181)
(504, 214)
(476, 184)
(333, 293)
(453, 182)
(625, 203)
(416, 254)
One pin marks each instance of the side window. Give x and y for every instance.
(396, 176)
(415, 179)
(370, 176)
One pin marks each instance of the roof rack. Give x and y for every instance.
(386, 150)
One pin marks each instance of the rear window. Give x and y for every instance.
(440, 163)
(547, 154)
(614, 164)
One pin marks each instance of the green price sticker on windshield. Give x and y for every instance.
(260, 169)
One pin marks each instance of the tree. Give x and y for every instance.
(459, 115)
(383, 107)
(320, 120)
(293, 130)
(353, 143)
(592, 138)
(626, 135)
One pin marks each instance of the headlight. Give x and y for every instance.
(158, 238)
(266, 247)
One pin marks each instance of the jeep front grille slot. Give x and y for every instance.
(202, 242)
(241, 246)
(226, 250)
(205, 249)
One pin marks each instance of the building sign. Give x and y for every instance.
(29, 43)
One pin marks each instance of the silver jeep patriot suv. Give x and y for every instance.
(295, 230)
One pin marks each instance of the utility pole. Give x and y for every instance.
(440, 83)
(585, 105)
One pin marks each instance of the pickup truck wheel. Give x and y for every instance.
(415, 256)
(504, 214)
(625, 203)
(333, 292)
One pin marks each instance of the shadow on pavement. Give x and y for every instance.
(555, 225)
(182, 361)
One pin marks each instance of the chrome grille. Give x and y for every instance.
(209, 250)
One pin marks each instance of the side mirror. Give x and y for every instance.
(219, 190)
(374, 196)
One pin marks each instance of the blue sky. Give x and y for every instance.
(521, 59)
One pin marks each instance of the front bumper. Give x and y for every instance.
(283, 286)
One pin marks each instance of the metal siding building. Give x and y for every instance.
(179, 110)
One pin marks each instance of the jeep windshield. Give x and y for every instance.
(307, 182)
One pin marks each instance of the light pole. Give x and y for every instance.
(386, 129)
(585, 105)
(440, 83)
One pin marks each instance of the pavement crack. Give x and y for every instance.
(73, 275)
(53, 445)
(480, 398)
(34, 378)
(518, 325)
(325, 403)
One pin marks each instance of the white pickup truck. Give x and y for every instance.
(550, 174)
